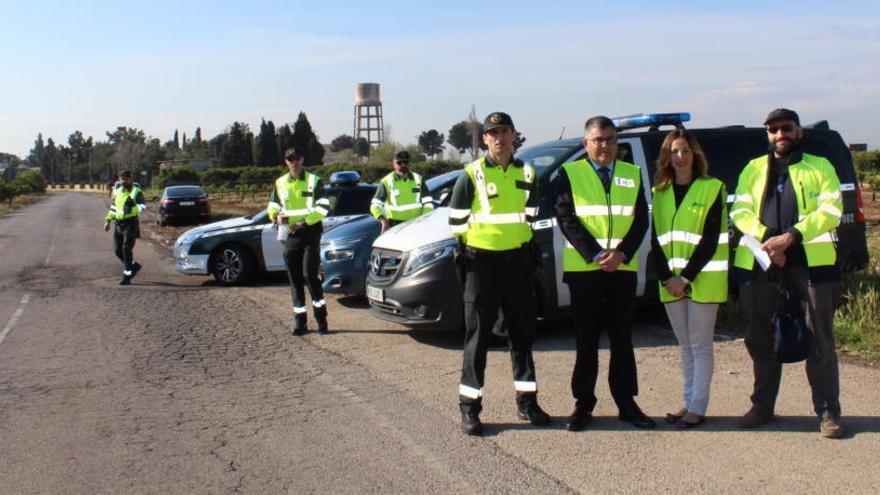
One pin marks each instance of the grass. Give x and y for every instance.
(857, 321)
(19, 202)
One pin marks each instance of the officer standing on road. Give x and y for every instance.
(297, 206)
(402, 195)
(493, 202)
(602, 211)
(128, 203)
(790, 202)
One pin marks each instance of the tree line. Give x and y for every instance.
(87, 160)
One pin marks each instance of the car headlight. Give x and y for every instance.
(342, 249)
(188, 238)
(428, 255)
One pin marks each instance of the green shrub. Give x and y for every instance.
(30, 181)
(178, 175)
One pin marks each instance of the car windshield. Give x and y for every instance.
(350, 200)
(546, 156)
(183, 191)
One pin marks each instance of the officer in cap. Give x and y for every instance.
(402, 195)
(127, 203)
(493, 202)
(297, 206)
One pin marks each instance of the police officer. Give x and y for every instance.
(402, 195)
(602, 211)
(789, 201)
(493, 202)
(127, 203)
(297, 206)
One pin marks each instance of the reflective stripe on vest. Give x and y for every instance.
(607, 217)
(679, 231)
(403, 199)
(117, 211)
(498, 218)
(817, 192)
(294, 205)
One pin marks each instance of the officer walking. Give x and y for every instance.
(789, 201)
(602, 211)
(128, 203)
(297, 206)
(402, 195)
(493, 202)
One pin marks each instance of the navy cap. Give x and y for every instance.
(401, 155)
(782, 114)
(497, 119)
(292, 152)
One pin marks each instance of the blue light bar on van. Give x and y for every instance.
(345, 177)
(650, 120)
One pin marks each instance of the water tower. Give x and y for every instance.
(368, 114)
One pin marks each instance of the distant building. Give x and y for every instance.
(858, 147)
(198, 165)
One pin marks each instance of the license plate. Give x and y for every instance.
(187, 203)
(375, 294)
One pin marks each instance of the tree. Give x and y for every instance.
(362, 147)
(79, 148)
(176, 141)
(342, 142)
(285, 139)
(51, 154)
(235, 150)
(266, 152)
(306, 141)
(129, 145)
(460, 136)
(39, 158)
(431, 142)
(518, 141)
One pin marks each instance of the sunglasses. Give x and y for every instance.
(403, 162)
(293, 158)
(785, 128)
(604, 140)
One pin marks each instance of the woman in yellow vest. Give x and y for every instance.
(690, 253)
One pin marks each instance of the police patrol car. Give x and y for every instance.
(412, 278)
(235, 251)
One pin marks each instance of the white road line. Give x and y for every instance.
(15, 316)
(52, 244)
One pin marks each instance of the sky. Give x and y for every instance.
(162, 66)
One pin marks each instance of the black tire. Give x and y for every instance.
(232, 265)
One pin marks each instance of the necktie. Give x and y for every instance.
(605, 175)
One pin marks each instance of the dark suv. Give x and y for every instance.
(412, 277)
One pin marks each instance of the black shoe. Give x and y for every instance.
(533, 413)
(634, 416)
(135, 268)
(578, 419)
(126, 280)
(300, 326)
(471, 425)
(322, 326)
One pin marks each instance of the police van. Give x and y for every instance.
(412, 278)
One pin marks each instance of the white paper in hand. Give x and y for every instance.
(282, 233)
(761, 256)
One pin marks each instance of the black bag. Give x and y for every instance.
(792, 342)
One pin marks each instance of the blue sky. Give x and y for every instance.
(161, 65)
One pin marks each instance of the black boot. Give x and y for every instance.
(321, 318)
(300, 324)
(470, 420)
(135, 268)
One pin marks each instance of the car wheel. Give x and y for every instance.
(232, 265)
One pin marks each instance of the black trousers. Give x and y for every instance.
(603, 299)
(302, 249)
(125, 233)
(759, 299)
(496, 280)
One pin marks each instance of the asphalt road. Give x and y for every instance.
(175, 385)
